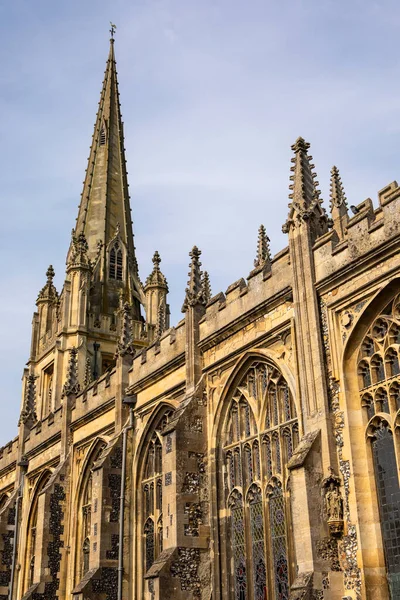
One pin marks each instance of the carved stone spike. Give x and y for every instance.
(71, 386)
(29, 409)
(263, 252)
(125, 342)
(194, 291)
(206, 286)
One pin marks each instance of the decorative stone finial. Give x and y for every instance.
(305, 199)
(194, 291)
(71, 385)
(156, 278)
(263, 252)
(337, 195)
(79, 251)
(88, 372)
(125, 342)
(161, 321)
(48, 292)
(206, 287)
(29, 409)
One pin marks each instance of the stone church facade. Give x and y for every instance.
(250, 452)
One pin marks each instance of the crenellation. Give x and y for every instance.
(248, 441)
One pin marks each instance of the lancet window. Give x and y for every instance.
(379, 384)
(32, 531)
(152, 487)
(116, 262)
(85, 514)
(261, 434)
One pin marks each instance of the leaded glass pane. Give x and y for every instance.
(387, 484)
(149, 543)
(279, 550)
(258, 550)
(239, 553)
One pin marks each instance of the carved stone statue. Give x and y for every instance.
(334, 503)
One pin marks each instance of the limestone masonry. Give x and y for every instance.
(251, 451)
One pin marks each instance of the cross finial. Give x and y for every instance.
(112, 30)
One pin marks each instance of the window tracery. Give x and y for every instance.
(379, 384)
(115, 270)
(152, 487)
(261, 433)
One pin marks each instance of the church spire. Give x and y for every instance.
(104, 217)
(105, 198)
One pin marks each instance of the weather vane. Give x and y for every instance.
(112, 30)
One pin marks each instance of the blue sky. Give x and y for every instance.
(213, 94)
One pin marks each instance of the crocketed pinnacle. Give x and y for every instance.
(78, 254)
(194, 291)
(206, 287)
(156, 278)
(88, 373)
(105, 197)
(71, 385)
(48, 292)
(263, 252)
(29, 409)
(305, 199)
(337, 195)
(161, 320)
(338, 204)
(125, 342)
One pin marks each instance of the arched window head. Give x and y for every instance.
(259, 435)
(152, 481)
(379, 386)
(115, 270)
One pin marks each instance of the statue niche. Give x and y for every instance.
(333, 504)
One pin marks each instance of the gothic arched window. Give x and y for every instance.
(152, 487)
(32, 531)
(261, 434)
(85, 513)
(380, 393)
(115, 270)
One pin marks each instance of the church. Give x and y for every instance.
(249, 451)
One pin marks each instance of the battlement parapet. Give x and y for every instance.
(366, 230)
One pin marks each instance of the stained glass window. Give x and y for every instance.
(238, 546)
(149, 544)
(378, 363)
(388, 490)
(152, 493)
(257, 537)
(279, 550)
(260, 438)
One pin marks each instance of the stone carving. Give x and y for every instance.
(186, 568)
(333, 504)
(71, 386)
(168, 444)
(168, 478)
(348, 545)
(206, 286)
(88, 373)
(78, 251)
(194, 292)
(29, 410)
(263, 258)
(125, 342)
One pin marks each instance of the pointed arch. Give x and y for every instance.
(251, 453)
(31, 549)
(84, 498)
(150, 480)
(373, 344)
